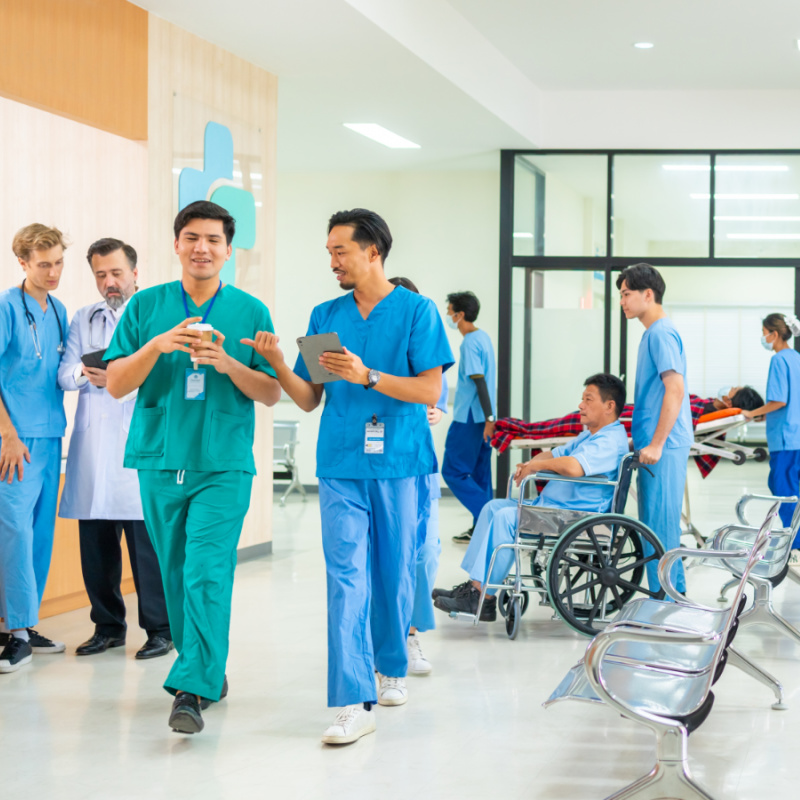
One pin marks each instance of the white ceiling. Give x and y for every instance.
(465, 78)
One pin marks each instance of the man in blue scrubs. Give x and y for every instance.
(467, 463)
(597, 451)
(33, 331)
(662, 421)
(374, 443)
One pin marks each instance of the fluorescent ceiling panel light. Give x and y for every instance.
(523, 235)
(757, 219)
(726, 168)
(764, 235)
(746, 196)
(643, 45)
(380, 134)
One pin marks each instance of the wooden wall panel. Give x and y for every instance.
(192, 82)
(83, 59)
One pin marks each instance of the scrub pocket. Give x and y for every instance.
(228, 440)
(149, 431)
(330, 441)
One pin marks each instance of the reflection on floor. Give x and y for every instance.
(96, 727)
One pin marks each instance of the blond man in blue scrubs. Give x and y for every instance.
(191, 439)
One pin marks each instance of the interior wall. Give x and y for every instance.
(445, 227)
(191, 83)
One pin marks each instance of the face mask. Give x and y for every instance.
(451, 323)
(765, 344)
(722, 394)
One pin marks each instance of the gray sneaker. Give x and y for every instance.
(15, 654)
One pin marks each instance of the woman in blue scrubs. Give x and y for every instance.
(782, 411)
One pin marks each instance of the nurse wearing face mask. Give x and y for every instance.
(782, 410)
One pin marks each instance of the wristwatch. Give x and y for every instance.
(491, 418)
(373, 376)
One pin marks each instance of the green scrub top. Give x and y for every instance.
(169, 432)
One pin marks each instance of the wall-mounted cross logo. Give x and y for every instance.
(215, 183)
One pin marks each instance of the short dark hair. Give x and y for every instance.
(642, 276)
(405, 283)
(776, 323)
(747, 398)
(610, 388)
(205, 209)
(368, 228)
(104, 247)
(466, 302)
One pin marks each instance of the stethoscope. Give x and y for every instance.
(101, 312)
(32, 325)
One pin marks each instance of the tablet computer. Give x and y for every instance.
(94, 360)
(312, 347)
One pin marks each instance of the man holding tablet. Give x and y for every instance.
(191, 439)
(374, 443)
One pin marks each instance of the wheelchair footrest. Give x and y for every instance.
(463, 616)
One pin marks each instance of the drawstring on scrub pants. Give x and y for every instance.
(179, 476)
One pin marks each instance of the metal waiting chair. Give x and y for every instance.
(284, 466)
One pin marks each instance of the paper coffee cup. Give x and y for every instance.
(206, 334)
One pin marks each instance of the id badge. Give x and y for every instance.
(195, 384)
(374, 438)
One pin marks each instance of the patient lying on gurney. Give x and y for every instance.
(507, 429)
(598, 450)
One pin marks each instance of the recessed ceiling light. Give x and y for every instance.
(643, 45)
(523, 235)
(380, 134)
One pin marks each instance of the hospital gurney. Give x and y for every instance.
(584, 564)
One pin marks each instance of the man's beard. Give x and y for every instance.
(346, 286)
(115, 301)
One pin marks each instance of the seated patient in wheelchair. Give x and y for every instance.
(597, 451)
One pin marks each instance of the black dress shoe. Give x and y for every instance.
(99, 643)
(186, 716)
(205, 702)
(154, 647)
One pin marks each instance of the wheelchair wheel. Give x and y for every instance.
(504, 598)
(596, 566)
(513, 613)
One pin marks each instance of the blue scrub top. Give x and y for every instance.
(476, 357)
(402, 336)
(783, 386)
(599, 454)
(29, 384)
(661, 350)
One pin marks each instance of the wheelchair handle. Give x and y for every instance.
(636, 464)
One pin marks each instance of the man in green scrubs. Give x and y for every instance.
(191, 439)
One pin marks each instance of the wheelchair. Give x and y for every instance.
(585, 565)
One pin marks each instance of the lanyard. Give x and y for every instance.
(211, 305)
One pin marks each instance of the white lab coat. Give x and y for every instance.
(96, 485)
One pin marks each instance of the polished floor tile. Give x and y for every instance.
(96, 727)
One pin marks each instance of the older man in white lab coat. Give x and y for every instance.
(98, 491)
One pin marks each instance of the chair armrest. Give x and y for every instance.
(747, 498)
(667, 560)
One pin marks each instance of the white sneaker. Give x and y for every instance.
(392, 691)
(417, 663)
(351, 723)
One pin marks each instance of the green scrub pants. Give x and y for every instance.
(195, 520)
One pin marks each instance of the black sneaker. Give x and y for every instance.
(465, 599)
(464, 538)
(205, 702)
(185, 716)
(41, 644)
(15, 654)
(445, 592)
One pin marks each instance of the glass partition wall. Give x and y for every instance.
(722, 227)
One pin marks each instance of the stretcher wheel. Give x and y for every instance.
(739, 457)
(596, 566)
(513, 614)
(760, 454)
(503, 598)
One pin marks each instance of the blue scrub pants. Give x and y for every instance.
(369, 537)
(195, 520)
(660, 504)
(429, 548)
(784, 481)
(27, 524)
(467, 465)
(497, 524)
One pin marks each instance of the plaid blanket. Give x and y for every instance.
(507, 429)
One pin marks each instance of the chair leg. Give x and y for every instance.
(670, 777)
(763, 612)
(725, 589)
(742, 662)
